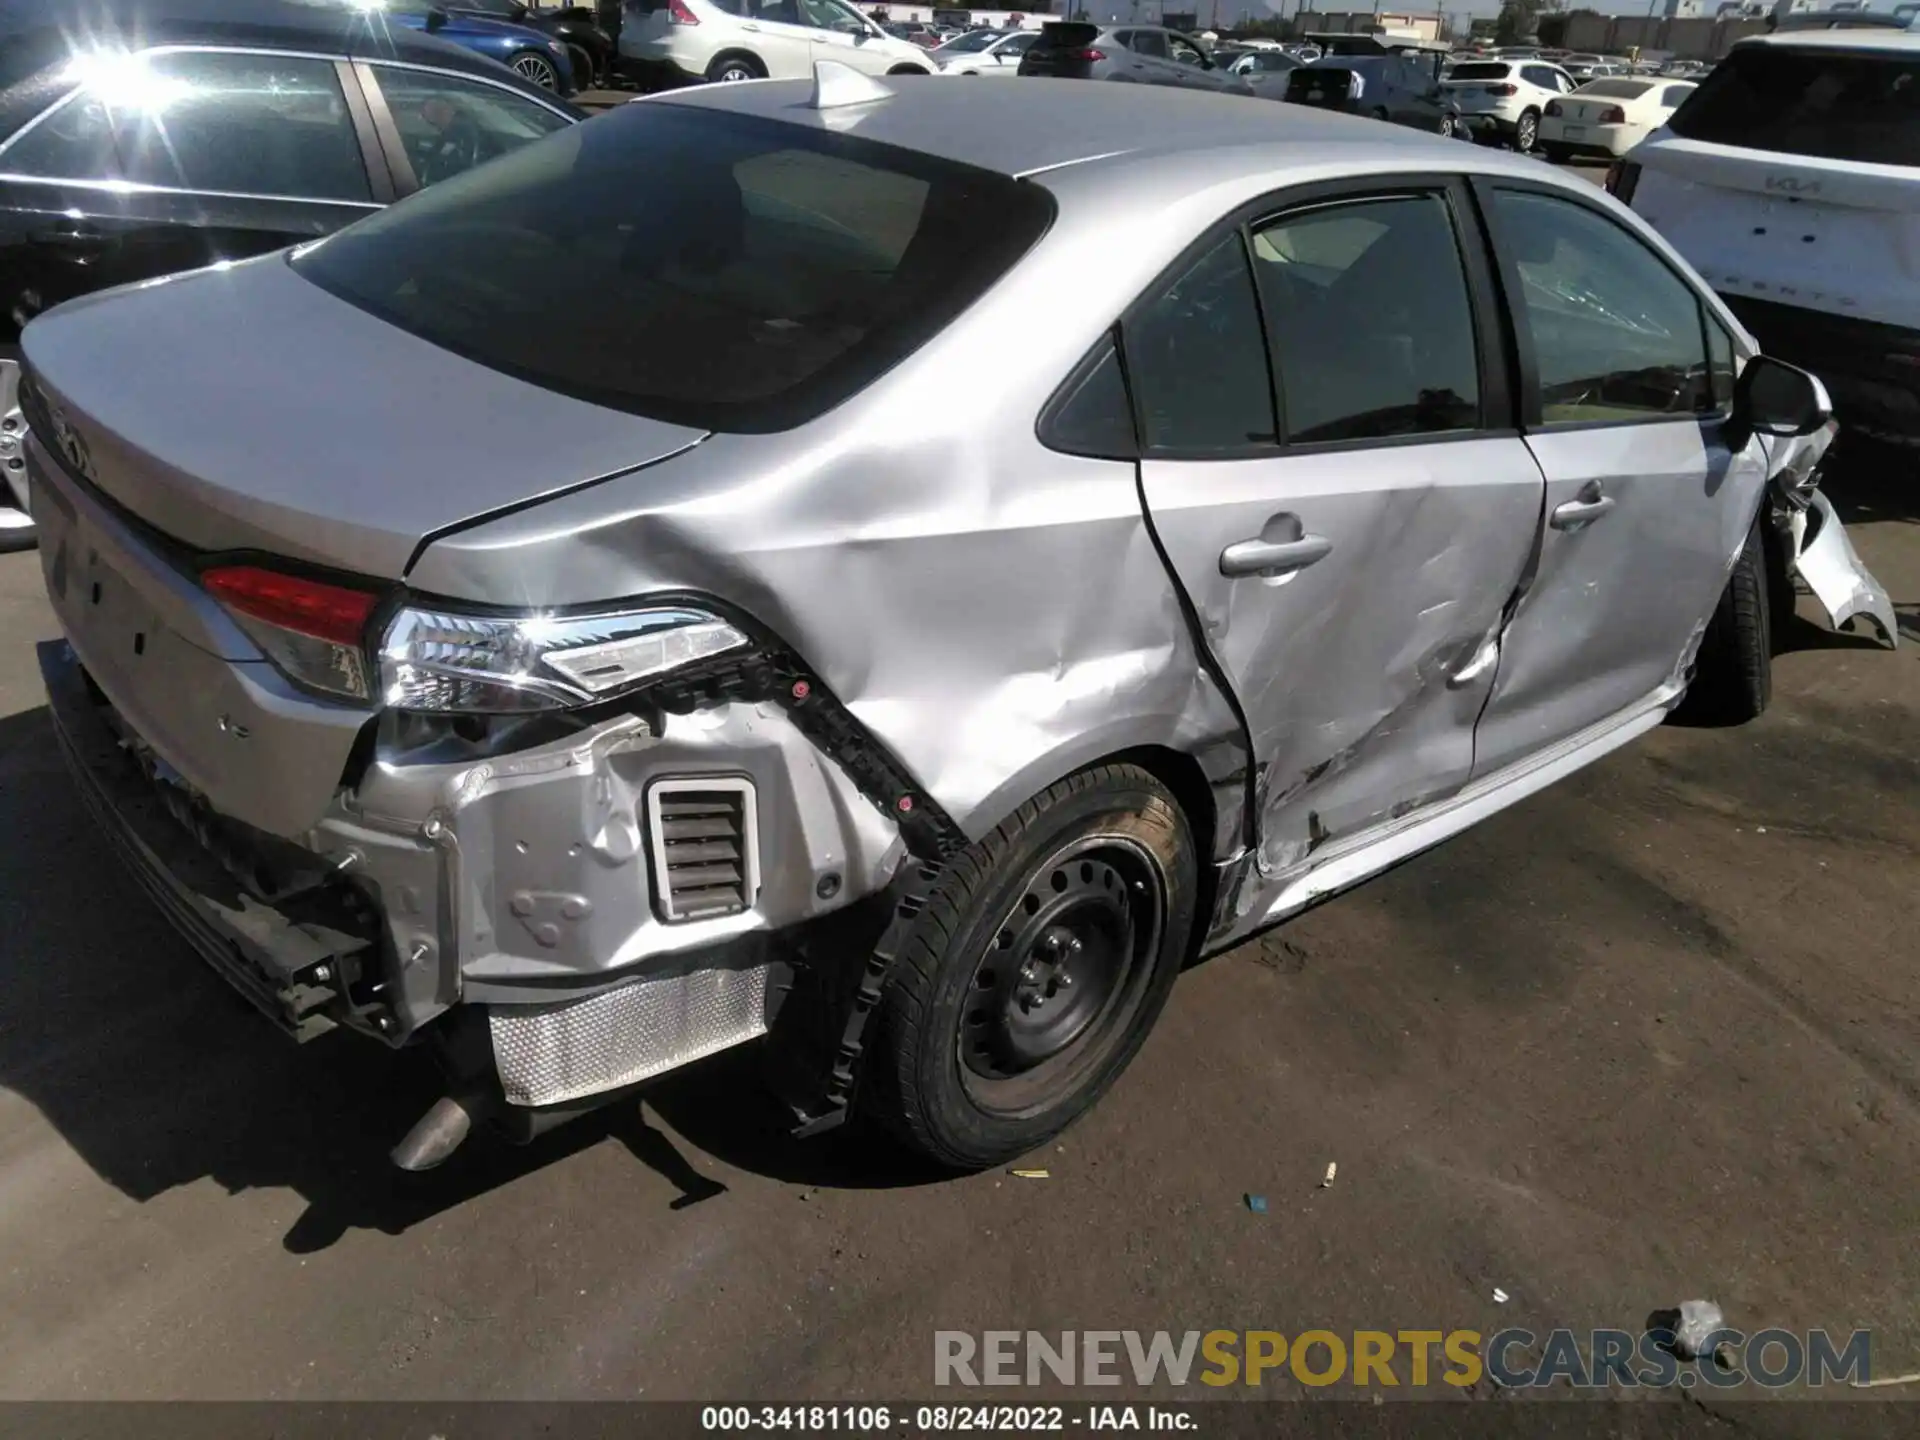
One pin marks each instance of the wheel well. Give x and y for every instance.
(747, 55)
(1182, 775)
(907, 70)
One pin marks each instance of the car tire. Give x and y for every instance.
(734, 66)
(530, 65)
(1733, 673)
(1526, 130)
(1558, 154)
(1379, 112)
(987, 1044)
(1448, 127)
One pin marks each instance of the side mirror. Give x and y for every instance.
(436, 20)
(1774, 398)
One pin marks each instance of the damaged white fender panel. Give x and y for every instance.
(1825, 558)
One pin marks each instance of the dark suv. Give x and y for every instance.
(1365, 76)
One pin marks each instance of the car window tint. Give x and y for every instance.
(1369, 320)
(1479, 70)
(1825, 103)
(448, 124)
(1198, 360)
(239, 124)
(1616, 334)
(1185, 53)
(712, 269)
(1149, 42)
(1093, 415)
(1017, 44)
(1673, 95)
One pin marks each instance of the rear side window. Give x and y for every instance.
(1675, 95)
(1822, 103)
(1198, 361)
(1616, 334)
(1368, 315)
(448, 124)
(721, 271)
(1148, 42)
(272, 125)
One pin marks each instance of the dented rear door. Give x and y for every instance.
(1350, 550)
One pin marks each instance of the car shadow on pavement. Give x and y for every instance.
(157, 1075)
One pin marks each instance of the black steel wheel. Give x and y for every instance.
(1035, 971)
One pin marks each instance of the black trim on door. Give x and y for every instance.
(1526, 362)
(1492, 334)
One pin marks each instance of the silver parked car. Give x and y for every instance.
(1131, 54)
(587, 687)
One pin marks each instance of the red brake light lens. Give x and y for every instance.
(1087, 53)
(679, 14)
(307, 607)
(1612, 115)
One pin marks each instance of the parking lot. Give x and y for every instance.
(1645, 1037)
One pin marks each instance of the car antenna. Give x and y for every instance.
(835, 85)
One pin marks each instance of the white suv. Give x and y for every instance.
(676, 40)
(1504, 99)
(1791, 180)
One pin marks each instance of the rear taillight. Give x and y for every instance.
(1622, 176)
(679, 14)
(1612, 115)
(1088, 54)
(313, 632)
(1553, 109)
(1503, 89)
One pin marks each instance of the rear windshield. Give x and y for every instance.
(1478, 70)
(709, 269)
(1069, 34)
(1823, 103)
(1615, 89)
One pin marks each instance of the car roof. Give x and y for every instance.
(1045, 124)
(1858, 38)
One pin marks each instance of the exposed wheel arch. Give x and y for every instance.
(908, 70)
(723, 66)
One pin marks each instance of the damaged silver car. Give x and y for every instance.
(565, 619)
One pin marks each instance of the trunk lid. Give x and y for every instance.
(1833, 235)
(1060, 50)
(248, 409)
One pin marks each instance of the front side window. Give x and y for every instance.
(1824, 103)
(717, 270)
(1016, 45)
(1616, 334)
(1369, 318)
(210, 121)
(448, 124)
(1198, 361)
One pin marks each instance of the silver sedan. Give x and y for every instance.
(566, 619)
